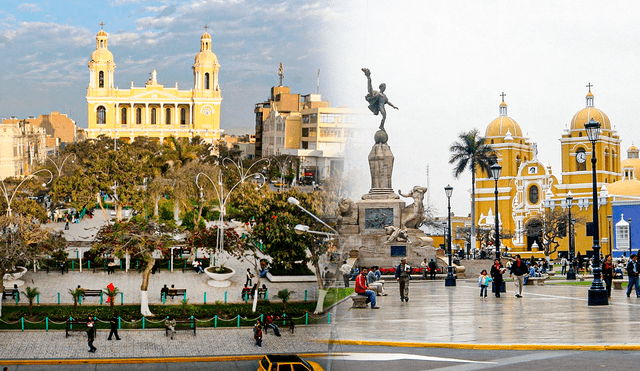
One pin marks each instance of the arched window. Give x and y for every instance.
(138, 116)
(183, 116)
(123, 116)
(607, 160)
(102, 115)
(518, 162)
(153, 116)
(167, 116)
(101, 79)
(533, 194)
(206, 80)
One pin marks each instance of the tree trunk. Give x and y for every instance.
(2, 273)
(321, 291)
(144, 298)
(155, 206)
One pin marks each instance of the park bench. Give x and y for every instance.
(189, 325)
(92, 293)
(617, 284)
(536, 281)
(77, 326)
(359, 301)
(175, 292)
(8, 293)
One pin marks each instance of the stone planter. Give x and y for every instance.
(11, 279)
(305, 278)
(219, 279)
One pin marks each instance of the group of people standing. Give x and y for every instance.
(518, 271)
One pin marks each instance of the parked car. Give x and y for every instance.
(276, 362)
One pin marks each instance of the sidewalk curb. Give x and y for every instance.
(582, 347)
(96, 361)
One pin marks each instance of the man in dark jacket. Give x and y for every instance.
(496, 273)
(632, 271)
(432, 269)
(403, 275)
(519, 270)
(91, 335)
(113, 322)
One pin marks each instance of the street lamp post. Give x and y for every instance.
(609, 219)
(629, 220)
(571, 274)
(451, 279)
(10, 199)
(59, 168)
(597, 293)
(495, 172)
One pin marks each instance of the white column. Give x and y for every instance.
(146, 114)
(190, 115)
(162, 114)
(176, 117)
(117, 115)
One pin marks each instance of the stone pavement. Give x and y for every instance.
(551, 314)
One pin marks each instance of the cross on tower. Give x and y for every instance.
(589, 86)
(503, 95)
(206, 28)
(101, 25)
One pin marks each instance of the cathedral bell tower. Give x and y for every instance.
(101, 65)
(205, 70)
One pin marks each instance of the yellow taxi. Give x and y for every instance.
(286, 362)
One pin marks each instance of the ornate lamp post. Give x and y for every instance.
(571, 274)
(5, 193)
(629, 220)
(451, 279)
(597, 293)
(495, 172)
(59, 168)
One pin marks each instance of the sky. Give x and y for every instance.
(445, 64)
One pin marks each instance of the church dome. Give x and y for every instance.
(206, 57)
(590, 112)
(627, 187)
(503, 125)
(101, 55)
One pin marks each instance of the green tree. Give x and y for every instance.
(284, 295)
(76, 294)
(141, 238)
(111, 292)
(471, 153)
(31, 294)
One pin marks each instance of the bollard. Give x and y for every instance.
(305, 295)
(284, 321)
(100, 298)
(185, 296)
(120, 264)
(329, 318)
(306, 318)
(266, 294)
(121, 298)
(58, 298)
(143, 322)
(80, 299)
(77, 254)
(192, 321)
(215, 323)
(38, 299)
(164, 298)
(205, 298)
(238, 320)
(119, 324)
(225, 297)
(261, 320)
(46, 321)
(17, 298)
(88, 265)
(73, 265)
(22, 321)
(246, 296)
(70, 325)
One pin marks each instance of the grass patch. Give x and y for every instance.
(335, 294)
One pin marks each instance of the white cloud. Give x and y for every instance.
(31, 8)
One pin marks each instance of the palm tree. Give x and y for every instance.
(111, 294)
(31, 294)
(284, 295)
(472, 153)
(76, 294)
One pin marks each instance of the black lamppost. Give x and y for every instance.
(597, 293)
(571, 274)
(629, 220)
(609, 219)
(495, 172)
(451, 279)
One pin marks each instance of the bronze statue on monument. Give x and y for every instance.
(377, 99)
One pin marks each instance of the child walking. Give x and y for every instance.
(483, 282)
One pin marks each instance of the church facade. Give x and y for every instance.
(527, 187)
(153, 111)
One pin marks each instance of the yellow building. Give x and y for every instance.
(153, 111)
(527, 187)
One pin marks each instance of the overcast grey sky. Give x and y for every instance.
(445, 64)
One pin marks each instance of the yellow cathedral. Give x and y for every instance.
(153, 111)
(527, 186)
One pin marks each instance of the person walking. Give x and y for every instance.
(496, 271)
(632, 272)
(433, 267)
(519, 269)
(483, 282)
(91, 335)
(257, 334)
(425, 268)
(403, 275)
(248, 282)
(607, 273)
(346, 272)
(564, 263)
(170, 326)
(113, 322)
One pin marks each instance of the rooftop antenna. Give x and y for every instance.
(428, 187)
(281, 73)
(318, 83)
